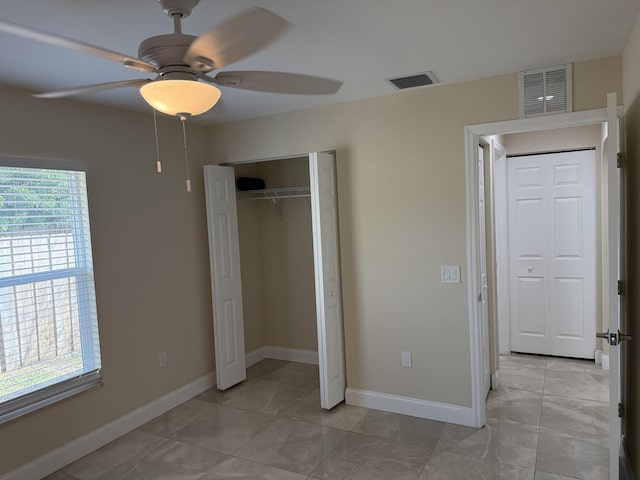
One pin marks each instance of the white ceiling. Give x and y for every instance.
(361, 42)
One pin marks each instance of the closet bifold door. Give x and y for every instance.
(324, 215)
(226, 284)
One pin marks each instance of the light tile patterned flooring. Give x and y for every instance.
(548, 421)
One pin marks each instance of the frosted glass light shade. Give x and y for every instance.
(180, 97)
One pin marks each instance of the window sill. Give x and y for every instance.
(31, 402)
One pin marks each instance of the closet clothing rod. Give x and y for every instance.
(276, 193)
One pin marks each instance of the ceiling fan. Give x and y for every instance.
(182, 62)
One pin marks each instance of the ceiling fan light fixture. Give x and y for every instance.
(180, 97)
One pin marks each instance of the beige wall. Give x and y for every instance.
(288, 249)
(542, 141)
(401, 191)
(631, 80)
(591, 80)
(150, 256)
(276, 254)
(251, 266)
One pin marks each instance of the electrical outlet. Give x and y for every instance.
(162, 359)
(406, 359)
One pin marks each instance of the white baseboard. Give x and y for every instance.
(282, 353)
(410, 406)
(72, 451)
(66, 454)
(598, 357)
(255, 356)
(495, 380)
(605, 362)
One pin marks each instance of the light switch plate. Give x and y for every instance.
(406, 359)
(162, 359)
(450, 274)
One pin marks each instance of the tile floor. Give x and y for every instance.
(548, 421)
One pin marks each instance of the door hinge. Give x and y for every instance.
(620, 287)
(620, 410)
(620, 160)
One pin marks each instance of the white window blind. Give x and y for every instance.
(49, 346)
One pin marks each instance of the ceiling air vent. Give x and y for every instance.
(412, 81)
(545, 91)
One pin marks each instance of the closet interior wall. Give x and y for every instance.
(276, 257)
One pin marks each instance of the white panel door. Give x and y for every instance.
(226, 285)
(552, 241)
(324, 214)
(482, 274)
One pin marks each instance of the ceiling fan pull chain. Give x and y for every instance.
(183, 119)
(155, 125)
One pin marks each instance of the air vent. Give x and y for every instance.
(412, 81)
(545, 91)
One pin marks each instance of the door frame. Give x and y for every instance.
(482, 265)
(473, 134)
(327, 401)
(501, 246)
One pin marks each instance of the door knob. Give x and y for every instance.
(604, 335)
(614, 338)
(529, 269)
(623, 337)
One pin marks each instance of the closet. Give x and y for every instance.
(275, 267)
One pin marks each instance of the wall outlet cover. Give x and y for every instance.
(450, 274)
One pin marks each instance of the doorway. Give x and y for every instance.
(545, 204)
(306, 229)
(612, 251)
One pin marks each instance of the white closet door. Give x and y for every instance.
(324, 213)
(552, 247)
(226, 285)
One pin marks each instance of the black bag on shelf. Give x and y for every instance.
(247, 183)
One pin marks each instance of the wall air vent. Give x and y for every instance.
(545, 91)
(412, 81)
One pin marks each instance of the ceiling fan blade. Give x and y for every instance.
(278, 82)
(69, 92)
(234, 39)
(71, 44)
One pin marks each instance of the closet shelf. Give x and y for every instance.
(275, 194)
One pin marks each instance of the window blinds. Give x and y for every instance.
(49, 346)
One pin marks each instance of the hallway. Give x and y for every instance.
(567, 400)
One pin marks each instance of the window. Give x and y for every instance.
(49, 345)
